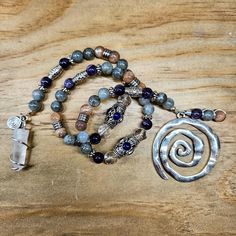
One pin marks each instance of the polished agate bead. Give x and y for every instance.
(99, 51)
(220, 115)
(61, 133)
(114, 57)
(86, 109)
(80, 125)
(55, 117)
(128, 76)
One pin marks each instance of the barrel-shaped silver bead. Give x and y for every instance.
(106, 54)
(57, 125)
(55, 72)
(80, 77)
(135, 82)
(83, 117)
(134, 92)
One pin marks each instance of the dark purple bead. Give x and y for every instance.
(69, 84)
(196, 113)
(146, 124)
(98, 157)
(126, 146)
(64, 63)
(116, 116)
(91, 70)
(147, 93)
(95, 138)
(46, 82)
(119, 89)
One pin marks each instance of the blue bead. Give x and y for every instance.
(117, 73)
(94, 101)
(56, 106)
(107, 68)
(103, 93)
(146, 124)
(69, 139)
(147, 93)
(119, 89)
(69, 84)
(86, 148)
(143, 101)
(88, 53)
(168, 104)
(77, 56)
(61, 96)
(82, 137)
(123, 64)
(38, 95)
(148, 109)
(64, 63)
(35, 105)
(91, 70)
(98, 157)
(126, 146)
(95, 138)
(46, 82)
(116, 116)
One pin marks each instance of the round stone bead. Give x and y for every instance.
(148, 109)
(56, 106)
(94, 101)
(123, 64)
(88, 53)
(98, 51)
(86, 109)
(64, 63)
(103, 93)
(91, 70)
(95, 138)
(114, 57)
(69, 139)
(98, 157)
(86, 148)
(61, 96)
(168, 104)
(208, 115)
(80, 125)
(60, 133)
(110, 158)
(38, 95)
(143, 101)
(55, 117)
(82, 137)
(146, 124)
(147, 93)
(35, 105)
(46, 82)
(160, 98)
(107, 68)
(77, 56)
(220, 115)
(117, 73)
(196, 113)
(128, 76)
(119, 89)
(69, 84)
(126, 146)
(116, 116)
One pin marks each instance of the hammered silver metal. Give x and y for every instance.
(168, 148)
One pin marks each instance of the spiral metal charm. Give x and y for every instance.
(168, 148)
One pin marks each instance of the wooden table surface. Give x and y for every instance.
(185, 48)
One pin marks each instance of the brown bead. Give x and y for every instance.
(220, 115)
(80, 125)
(142, 85)
(99, 51)
(114, 57)
(128, 76)
(61, 133)
(55, 117)
(86, 109)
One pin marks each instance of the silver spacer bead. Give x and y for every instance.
(71, 60)
(135, 82)
(111, 92)
(43, 89)
(147, 117)
(99, 69)
(55, 72)
(57, 125)
(154, 96)
(106, 54)
(83, 117)
(67, 91)
(80, 77)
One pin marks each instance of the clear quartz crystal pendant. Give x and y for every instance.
(172, 146)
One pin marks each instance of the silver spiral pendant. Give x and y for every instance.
(180, 147)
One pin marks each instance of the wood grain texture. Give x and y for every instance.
(185, 48)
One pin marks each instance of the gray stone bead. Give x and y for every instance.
(35, 105)
(88, 54)
(143, 101)
(168, 104)
(107, 68)
(160, 98)
(208, 115)
(117, 73)
(77, 56)
(61, 96)
(94, 101)
(123, 64)
(69, 139)
(56, 106)
(86, 148)
(38, 95)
